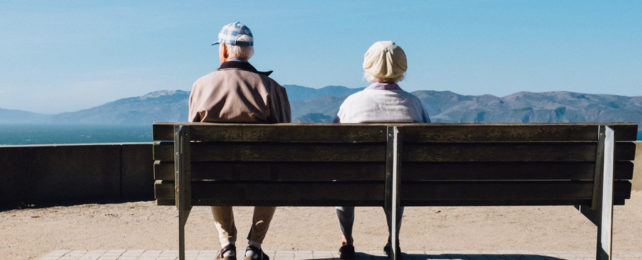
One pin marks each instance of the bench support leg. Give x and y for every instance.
(604, 205)
(182, 182)
(393, 180)
(601, 211)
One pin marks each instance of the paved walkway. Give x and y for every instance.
(122, 254)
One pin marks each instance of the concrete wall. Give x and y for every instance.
(61, 174)
(637, 172)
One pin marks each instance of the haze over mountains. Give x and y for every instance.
(320, 105)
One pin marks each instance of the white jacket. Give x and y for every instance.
(380, 105)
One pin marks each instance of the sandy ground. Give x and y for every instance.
(30, 233)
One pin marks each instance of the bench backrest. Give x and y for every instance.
(346, 164)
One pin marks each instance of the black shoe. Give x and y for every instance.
(388, 250)
(346, 252)
(257, 255)
(231, 256)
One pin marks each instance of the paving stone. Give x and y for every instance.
(324, 255)
(132, 253)
(114, 252)
(57, 253)
(151, 253)
(167, 258)
(93, 254)
(302, 255)
(169, 253)
(148, 258)
(284, 255)
(104, 257)
(270, 253)
(208, 255)
(74, 255)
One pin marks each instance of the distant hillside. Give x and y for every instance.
(321, 105)
(527, 107)
(9, 116)
(300, 93)
(165, 105)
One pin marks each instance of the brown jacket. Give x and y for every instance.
(237, 92)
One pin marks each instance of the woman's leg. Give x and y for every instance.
(346, 219)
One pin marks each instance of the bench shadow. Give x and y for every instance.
(457, 256)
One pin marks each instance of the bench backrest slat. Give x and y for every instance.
(532, 132)
(375, 152)
(358, 171)
(376, 132)
(278, 152)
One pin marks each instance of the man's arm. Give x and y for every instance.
(287, 113)
(193, 115)
(281, 105)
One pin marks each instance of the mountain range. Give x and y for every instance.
(311, 105)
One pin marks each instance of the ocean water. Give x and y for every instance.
(72, 134)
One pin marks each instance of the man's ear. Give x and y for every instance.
(225, 53)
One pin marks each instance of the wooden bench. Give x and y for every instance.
(588, 166)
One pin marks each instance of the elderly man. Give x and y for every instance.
(237, 92)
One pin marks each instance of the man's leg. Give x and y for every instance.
(224, 221)
(260, 224)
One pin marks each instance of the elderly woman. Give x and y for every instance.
(384, 65)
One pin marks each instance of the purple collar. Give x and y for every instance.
(384, 86)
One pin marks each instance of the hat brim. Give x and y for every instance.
(243, 44)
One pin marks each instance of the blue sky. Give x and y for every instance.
(58, 56)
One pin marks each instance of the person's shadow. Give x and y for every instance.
(457, 256)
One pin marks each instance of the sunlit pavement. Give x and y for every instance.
(122, 254)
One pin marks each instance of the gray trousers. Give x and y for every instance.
(346, 219)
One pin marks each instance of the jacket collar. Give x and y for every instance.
(384, 86)
(242, 66)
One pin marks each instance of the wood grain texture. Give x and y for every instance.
(529, 132)
(324, 171)
(373, 152)
(278, 171)
(510, 152)
(499, 152)
(372, 194)
(283, 133)
(509, 171)
(505, 193)
(376, 132)
(279, 194)
(279, 152)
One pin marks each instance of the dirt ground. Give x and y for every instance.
(30, 233)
